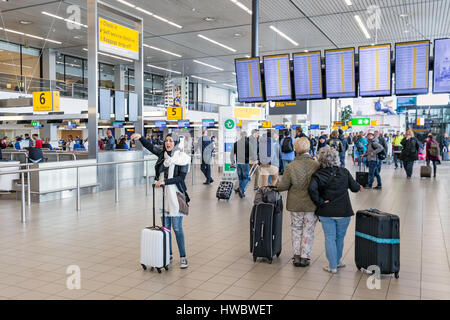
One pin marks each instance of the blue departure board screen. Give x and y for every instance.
(277, 77)
(441, 79)
(248, 78)
(340, 73)
(308, 75)
(132, 107)
(375, 70)
(411, 67)
(119, 105)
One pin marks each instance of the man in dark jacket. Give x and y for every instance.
(373, 149)
(299, 133)
(410, 152)
(240, 155)
(344, 147)
(110, 142)
(206, 145)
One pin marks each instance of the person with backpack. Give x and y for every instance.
(313, 145)
(361, 148)
(374, 149)
(335, 142)
(410, 152)
(287, 149)
(432, 152)
(240, 156)
(397, 142)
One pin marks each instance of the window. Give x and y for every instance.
(31, 64)
(106, 75)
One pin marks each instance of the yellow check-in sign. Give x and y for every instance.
(267, 124)
(176, 113)
(244, 113)
(46, 101)
(117, 39)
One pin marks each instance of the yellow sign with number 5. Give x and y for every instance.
(176, 113)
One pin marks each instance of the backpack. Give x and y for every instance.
(433, 149)
(336, 144)
(380, 155)
(360, 147)
(287, 146)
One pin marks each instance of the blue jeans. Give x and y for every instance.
(177, 223)
(242, 172)
(408, 165)
(374, 172)
(342, 157)
(334, 231)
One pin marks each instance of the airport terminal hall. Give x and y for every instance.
(224, 158)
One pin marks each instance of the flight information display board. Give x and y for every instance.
(441, 78)
(308, 75)
(119, 105)
(132, 106)
(375, 70)
(248, 79)
(340, 73)
(277, 76)
(104, 103)
(411, 67)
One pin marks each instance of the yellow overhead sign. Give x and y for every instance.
(46, 101)
(247, 113)
(176, 113)
(267, 124)
(117, 39)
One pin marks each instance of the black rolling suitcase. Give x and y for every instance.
(266, 221)
(362, 177)
(224, 190)
(377, 241)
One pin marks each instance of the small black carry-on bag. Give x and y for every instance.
(266, 221)
(224, 190)
(155, 251)
(362, 177)
(377, 241)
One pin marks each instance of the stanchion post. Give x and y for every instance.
(117, 182)
(78, 190)
(29, 188)
(24, 216)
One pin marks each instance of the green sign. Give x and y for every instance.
(228, 167)
(229, 124)
(361, 122)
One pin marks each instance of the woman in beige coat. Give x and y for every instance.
(296, 178)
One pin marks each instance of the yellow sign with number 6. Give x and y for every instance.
(46, 101)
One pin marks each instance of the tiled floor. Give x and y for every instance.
(104, 241)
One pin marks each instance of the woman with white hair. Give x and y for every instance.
(329, 191)
(296, 178)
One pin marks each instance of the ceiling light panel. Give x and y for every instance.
(29, 35)
(208, 65)
(164, 69)
(284, 35)
(242, 6)
(362, 26)
(131, 5)
(64, 19)
(162, 50)
(204, 79)
(216, 43)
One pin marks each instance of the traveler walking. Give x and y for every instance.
(397, 143)
(432, 152)
(171, 169)
(445, 142)
(296, 179)
(313, 145)
(410, 152)
(373, 149)
(287, 149)
(269, 160)
(361, 148)
(328, 190)
(299, 133)
(207, 148)
(344, 145)
(254, 155)
(322, 143)
(240, 156)
(335, 142)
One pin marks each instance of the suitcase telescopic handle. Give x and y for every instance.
(163, 205)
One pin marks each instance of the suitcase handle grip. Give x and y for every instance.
(163, 205)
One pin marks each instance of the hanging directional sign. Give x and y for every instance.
(117, 39)
(46, 101)
(176, 113)
(361, 122)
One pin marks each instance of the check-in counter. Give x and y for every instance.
(62, 183)
(7, 180)
(130, 174)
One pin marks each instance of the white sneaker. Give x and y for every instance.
(183, 263)
(327, 269)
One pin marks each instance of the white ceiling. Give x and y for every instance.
(314, 24)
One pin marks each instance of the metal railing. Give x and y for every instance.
(58, 153)
(78, 197)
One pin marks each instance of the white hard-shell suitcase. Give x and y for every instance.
(155, 251)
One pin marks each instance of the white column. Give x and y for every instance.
(49, 66)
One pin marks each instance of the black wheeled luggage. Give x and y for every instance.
(224, 190)
(362, 177)
(377, 241)
(425, 172)
(266, 221)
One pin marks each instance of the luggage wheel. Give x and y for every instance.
(254, 259)
(166, 268)
(270, 261)
(159, 270)
(278, 255)
(144, 266)
(152, 269)
(396, 275)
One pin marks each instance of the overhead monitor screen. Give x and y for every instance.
(375, 70)
(248, 78)
(119, 105)
(277, 77)
(411, 67)
(308, 75)
(132, 107)
(183, 123)
(340, 73)
(441, 79)
(208, 123)
(160, 124)
(104, 104)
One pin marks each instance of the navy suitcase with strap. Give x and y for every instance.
(377, 241)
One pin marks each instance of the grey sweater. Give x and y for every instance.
(375, 147)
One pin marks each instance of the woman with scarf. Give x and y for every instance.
(171, 169)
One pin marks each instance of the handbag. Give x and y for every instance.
(182, 204)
